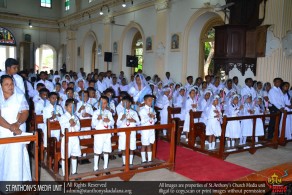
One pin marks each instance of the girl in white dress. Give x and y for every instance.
(179, 102)
(247, 124)
(213, 127)
(190, 104)
(259, 110)
(233, 130)
(203, 103)
(163, 103)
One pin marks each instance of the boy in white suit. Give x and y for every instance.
(127, 118)
(148, 117)
(102, 119)
(71, 122)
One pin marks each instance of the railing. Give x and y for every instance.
(282, 140)
(221, 153)
(29, 138)
(126, 173)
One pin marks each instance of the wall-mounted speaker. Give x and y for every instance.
(108, 56)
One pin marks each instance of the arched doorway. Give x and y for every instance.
(127, 40)
(89, 52)
(45, 58)
(193, 49)
(207, 44)
(137, 50)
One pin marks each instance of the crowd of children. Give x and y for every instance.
(96, 96)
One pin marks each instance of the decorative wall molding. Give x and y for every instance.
(162, 5)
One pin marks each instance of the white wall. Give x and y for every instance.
(32, 8)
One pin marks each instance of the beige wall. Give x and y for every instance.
(278, 14)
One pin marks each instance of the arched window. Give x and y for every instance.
(7, 46)
(137, 50)
(45, 58)
(207, 44)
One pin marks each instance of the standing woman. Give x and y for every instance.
(14, 160)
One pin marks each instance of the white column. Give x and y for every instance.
(162, 19)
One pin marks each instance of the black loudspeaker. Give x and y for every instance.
(108, 56)
(132, 61)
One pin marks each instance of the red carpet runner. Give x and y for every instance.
(201, 167)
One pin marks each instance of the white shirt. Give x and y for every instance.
(248, 90)
(40, 105)
(124, 87)
(166, 81)
(99, 124)
(100, 86)
(116, 89)
(49, 85)
(50, 109)
(108, 82)
(145, 119)
(64, 123)
(129, 114)
(276, 97)
(88, 109)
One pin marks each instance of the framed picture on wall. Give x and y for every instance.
(99, 49)
(115, 47)
(149, 44)
(175, 42)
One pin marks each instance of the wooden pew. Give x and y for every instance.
(30, 138)
(54, 146)
(196, 130)
(86, 144)
(222, 153)
(38, 119)
(179, 124)
(125, 172)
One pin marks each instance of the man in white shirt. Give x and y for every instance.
(108, 79)
(11, 69)
(167, 79)
(248, 89)
(49, 85)
(100, 85)
(208, 80)
(189, 82)
(276, 104)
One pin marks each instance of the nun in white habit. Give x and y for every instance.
(14, 160)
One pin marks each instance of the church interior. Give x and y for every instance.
(227, 38)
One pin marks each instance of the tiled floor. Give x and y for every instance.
(262, 159)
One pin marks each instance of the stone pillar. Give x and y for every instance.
(162, 19)
(71, 56)
(107, 40)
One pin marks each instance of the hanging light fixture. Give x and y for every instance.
(124, 4)
(29, 23)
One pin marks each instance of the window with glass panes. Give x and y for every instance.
(67, 5)
(46, 3)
